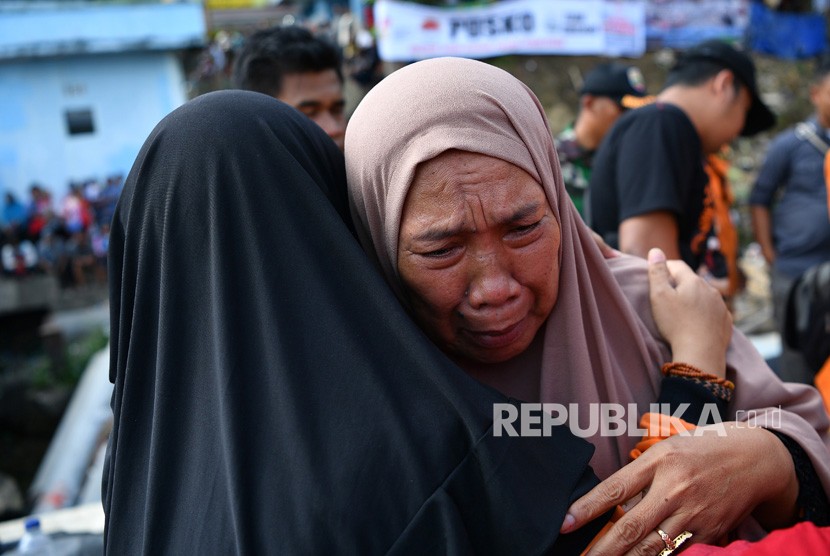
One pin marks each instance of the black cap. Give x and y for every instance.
(759, 117)
(616, 81)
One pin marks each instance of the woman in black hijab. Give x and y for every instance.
(271, 396)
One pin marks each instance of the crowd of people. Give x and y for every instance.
(68, 239)
(320, 373)
(644, 186)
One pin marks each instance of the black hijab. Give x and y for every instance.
(271, 396)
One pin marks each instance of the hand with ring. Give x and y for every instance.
(705, 483)
(672, 544)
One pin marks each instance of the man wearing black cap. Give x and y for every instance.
(648, 187)
(607, 91)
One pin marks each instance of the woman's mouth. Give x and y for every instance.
(493, 339)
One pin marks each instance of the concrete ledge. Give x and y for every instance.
(80, 519)
(28, 293)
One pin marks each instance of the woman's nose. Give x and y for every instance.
(492, 283)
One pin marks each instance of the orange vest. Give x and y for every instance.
(822, 379)
(827, 178)
(717, 201)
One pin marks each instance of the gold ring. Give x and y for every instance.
(673, 544)
(667, 540)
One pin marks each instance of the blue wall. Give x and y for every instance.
(61, 28)
(127, 94)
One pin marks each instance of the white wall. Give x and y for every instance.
(127, 93)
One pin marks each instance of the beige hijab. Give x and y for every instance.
(600, 343)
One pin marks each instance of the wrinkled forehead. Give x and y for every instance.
(456, 184)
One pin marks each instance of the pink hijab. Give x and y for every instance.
(600, 343)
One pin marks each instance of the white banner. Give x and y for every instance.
(682, 23)
(408, 32)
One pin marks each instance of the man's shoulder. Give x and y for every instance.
(568, 148)
(796, 135)
(788, 138)
(567, 134)
(658, 112)
(648, 132)
(644, 121)
(564, 138)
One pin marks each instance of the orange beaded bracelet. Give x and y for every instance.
(720, 387)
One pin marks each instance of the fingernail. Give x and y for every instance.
(568, 523)
(656, 255)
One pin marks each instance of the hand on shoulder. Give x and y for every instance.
(689, 313)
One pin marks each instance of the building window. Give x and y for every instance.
(79, 122)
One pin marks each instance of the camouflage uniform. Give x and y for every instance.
(576, 165)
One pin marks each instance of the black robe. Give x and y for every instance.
(271, 395)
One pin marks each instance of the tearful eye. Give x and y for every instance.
(439, 253)
(522, 230)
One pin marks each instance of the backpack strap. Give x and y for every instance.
(806, 132)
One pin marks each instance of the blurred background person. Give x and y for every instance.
(15, 214)
(293, 65)
(608, 90)
(649, 186)
(789, 209)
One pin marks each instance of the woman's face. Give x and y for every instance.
(478, 255)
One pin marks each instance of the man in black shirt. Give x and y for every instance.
(648, 184)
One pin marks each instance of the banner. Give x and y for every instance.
(409, 32)
(234, 4)
(683, 23)
(787, 35)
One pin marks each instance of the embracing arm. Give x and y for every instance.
(795, 414)
(696, 482)
(702, 342)
(688, 478)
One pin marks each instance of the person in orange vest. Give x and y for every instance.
(822, 380)
(648, 187)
